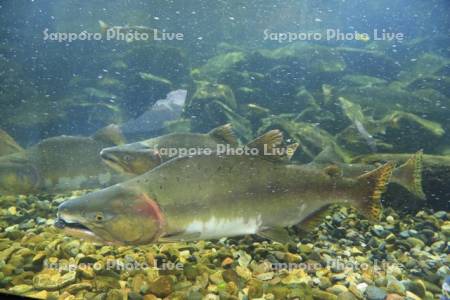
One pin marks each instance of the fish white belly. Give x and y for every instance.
(77, 182)
(221, 227)
(65, 183)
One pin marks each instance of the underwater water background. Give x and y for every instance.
(369, 79)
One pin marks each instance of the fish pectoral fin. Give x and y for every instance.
(313, 220)
(179, 236)
(277, 234)
(224, 134)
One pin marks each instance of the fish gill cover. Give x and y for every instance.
(225, 150)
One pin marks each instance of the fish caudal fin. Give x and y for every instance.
(373, 184)
(224, 134)
(314, 219)
(409, 175)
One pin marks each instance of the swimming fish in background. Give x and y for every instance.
(152, 121)
(408, 175)
(140, 157)
(7, 144)
(363, 37)
(354, 113)
(104, 28)
(60, 164)
(366, 135)
(209, 197)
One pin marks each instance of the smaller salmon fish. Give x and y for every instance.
(114, 30)
(60, 164)
(140, 157)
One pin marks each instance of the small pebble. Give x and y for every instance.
(375, 293)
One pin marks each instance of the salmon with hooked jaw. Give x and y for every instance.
(214, 196)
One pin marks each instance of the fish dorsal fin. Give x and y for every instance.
(372, 185)
(410, 175)
(267, 143)
(16, 158)
(314, 219)
(330, 155)
(290, 150)
(103, 26)
(10, 144)
(111, 135)
(224, 134)
(276, 234)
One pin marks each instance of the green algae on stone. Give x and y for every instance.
(162, 287)
(221, 63)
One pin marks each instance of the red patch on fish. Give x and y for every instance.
(149, 207)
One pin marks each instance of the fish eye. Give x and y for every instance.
(127, 158)
(99, 217)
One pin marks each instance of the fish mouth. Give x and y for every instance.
(60, 223)
(78, 230)
(108, 157)
(113, 162)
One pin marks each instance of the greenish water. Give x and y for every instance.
(350, 85)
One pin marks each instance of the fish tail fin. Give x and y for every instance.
(103, 26)
(373, 184)
(409, 175)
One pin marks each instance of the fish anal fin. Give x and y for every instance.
(224, 134)
(314, 219)
(276, 234)
(371, 186)
(179, 236)
(409, 175)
